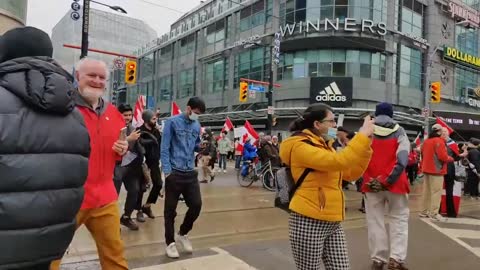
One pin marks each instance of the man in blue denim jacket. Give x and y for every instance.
(181, 139)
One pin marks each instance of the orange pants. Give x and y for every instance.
(104, 225)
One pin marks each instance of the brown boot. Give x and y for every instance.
(396, 265)
(377, 265)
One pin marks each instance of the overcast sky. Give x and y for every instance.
(44, 14)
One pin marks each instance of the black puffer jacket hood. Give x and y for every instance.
(40, 82)
(44, 150)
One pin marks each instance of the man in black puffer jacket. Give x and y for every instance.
(44, 149)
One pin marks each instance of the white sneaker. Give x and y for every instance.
(438, 217)
(172, 251)
(224, 171)
(184, 242)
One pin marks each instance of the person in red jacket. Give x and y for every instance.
(434, 165)
(99, 211)
(385, 182)
(412, 167)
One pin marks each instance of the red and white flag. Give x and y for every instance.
(138, 110)
(245, 132)
(445, 125)
(228, 126)
(453, 146)
(175, 109)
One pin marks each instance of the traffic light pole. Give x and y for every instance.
(427, 110)
(270, 94)
(85, 24)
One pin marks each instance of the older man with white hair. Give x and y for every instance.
(99, 210)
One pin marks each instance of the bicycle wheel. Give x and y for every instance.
(245, 181)
(268, 180)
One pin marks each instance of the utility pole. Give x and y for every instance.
(270, 93)
(85, 24)
(427, 109)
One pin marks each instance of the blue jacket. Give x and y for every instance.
(180, 141)
(249, 151)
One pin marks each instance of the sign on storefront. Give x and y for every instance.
(347, 25)
(463, 58)
(334, 91)
(462, 12)
(460, 121)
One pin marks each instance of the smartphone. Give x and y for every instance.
(123, 134)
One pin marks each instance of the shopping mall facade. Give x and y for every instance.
(350, 54)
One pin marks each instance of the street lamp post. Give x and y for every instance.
(86, 23)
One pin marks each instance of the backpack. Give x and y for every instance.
(286, 186)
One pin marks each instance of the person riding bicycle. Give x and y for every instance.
(249, 155)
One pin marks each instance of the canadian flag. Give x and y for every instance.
(175, 109)
(453, 146)
(228, 125)
(138, 110)
(443, 124)
(245, 132)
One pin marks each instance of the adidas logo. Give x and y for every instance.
(331, 93)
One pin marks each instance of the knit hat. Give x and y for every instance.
(23, 42)
(384, 108)
(147, 115)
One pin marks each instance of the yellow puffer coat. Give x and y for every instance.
(320, 196)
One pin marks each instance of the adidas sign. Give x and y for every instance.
(331, 93)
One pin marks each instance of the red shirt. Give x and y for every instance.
(435, 156)
(104, 131)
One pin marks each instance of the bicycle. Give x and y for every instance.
(266, 174)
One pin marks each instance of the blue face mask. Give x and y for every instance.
(331, 133)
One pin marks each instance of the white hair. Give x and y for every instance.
(79, 64)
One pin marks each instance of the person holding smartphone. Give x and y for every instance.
(99, 209)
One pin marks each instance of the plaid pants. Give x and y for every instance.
(315, 242)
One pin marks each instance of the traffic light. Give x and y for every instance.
(130, 72)
(436, 92)
(243, 94)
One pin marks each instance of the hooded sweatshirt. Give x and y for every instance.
(391, 148)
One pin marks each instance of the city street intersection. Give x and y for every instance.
(239, 229)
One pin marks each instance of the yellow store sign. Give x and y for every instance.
(460, 57)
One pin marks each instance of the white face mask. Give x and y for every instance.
(193, 116)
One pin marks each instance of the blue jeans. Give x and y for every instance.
(238, 160)
(222, 163)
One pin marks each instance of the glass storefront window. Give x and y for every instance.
(465, 78)
(253, 16)
(411, 17)
(466, 40)
(410, 68)
(313, 63)
(185, 83)
(253, 64)
(164, 88)
(215, 79)
(301, 10)
(146, 66)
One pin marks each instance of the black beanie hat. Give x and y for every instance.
(23, 42)
(147, 115)
(384, 108)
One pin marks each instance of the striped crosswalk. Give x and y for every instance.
(464, 231)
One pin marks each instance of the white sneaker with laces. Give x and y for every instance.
(184, 242)
(172, 251)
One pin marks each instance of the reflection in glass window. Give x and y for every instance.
(301, 10)
(253, 64)
(146, 66)
(253, 16)
(465, 78)
(411, 17)
(466, 40)
(410, 67)
(318, 63)
(185, 83)
(164, 88)
(216, 79)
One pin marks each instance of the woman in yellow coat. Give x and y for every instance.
(317, 208)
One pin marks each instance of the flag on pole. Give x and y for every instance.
(445, 125)
(228, 126)
(138, 110)
(453, 146)
(175, 109)
(250, 132)
(245, 132)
